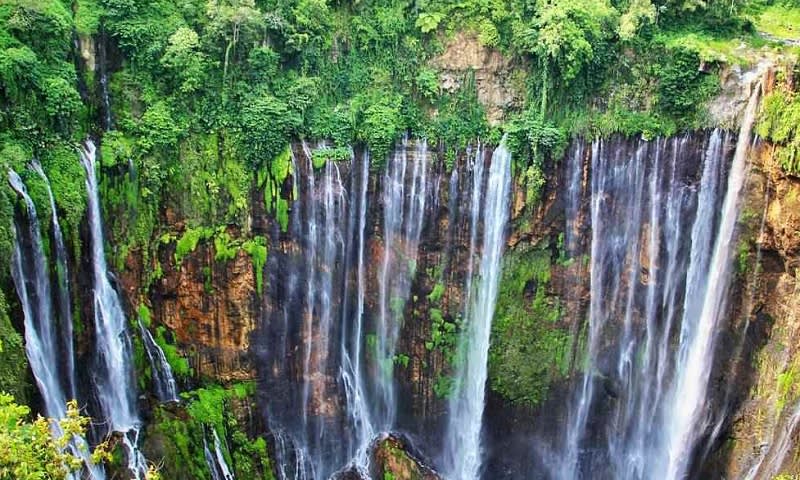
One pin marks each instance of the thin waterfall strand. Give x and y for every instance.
(463, 438)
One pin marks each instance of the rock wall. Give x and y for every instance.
(764, 428)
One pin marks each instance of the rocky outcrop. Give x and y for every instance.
(393, 458)
(210, 305)
(498, 84)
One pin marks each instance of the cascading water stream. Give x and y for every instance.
(689, 394)
(403, 216)
(114, 378)
(166, 389)
(661, 255)
(463, 451)
(63, 290)
(32, 281)
(323, 426)
(353, 372)
(216, 460)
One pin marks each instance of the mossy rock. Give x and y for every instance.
(392, 459)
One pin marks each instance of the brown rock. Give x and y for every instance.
(494, 81)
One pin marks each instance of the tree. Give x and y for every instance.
(183, 57)
(30, 451)
(230, 19)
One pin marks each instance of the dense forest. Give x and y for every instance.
(230, 139)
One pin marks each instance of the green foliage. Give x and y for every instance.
(208, 409)
(266, 123)
(13, 362)
(257, 249)
(380, 123)
(224, 247)
(321, 156)
(87, 16)
(682, 85)
(443, 386)
(402, 360)
(533, 141)
(179, 365)
(29, 451)
(529, 349)
(145, 316)
(566, 34)
(779, 122)
(189, 240)
(460, 119)
(436, 294)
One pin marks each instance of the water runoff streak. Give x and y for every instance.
(352, 370)
(166, 389)
(663, 237)
(114, 377)
(404, 198)
(463, 451)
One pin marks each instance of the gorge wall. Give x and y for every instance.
(231, 332)
(294, 260)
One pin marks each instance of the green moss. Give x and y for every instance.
(779, 122)
(257, 249)
(13, 362)
(181, 443)
(187, 243)
(436, 293)
(323, 155)
(145, 316)
(179, 365)
(281, 165)
(225, 248)
(282, 213)
(529, 349)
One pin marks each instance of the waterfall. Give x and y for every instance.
(663, 238)
(114, 377)
(463, 449)
(311, 442)
(41, 344)
(32, 281)
(216, 460)
(166, 388)
(780, 445)
(63, 290)
(337, 391)
(403, 215)
(353, 373)
(694, 367)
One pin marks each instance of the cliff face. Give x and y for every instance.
(231, 333)
(337, 270)
(763, 429)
